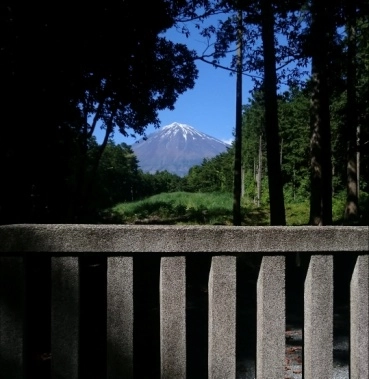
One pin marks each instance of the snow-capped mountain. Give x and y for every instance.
(176, 148)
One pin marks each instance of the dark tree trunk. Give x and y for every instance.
(320, 144)
(352, 208)
(238, 132)
(277, 210)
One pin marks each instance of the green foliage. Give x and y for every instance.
(297, 213)
(338, 206)
(252, 129)
(161, 181)
(117, 177)
(295, 136)
(250, 185)
(217, 174)
(214, 174)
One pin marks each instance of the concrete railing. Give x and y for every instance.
(121, 245)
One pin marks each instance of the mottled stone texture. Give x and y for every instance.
(12, 309)
(65, 313)
(173, 317)
(222, 318)
(359, 365)
(318, 318)
(168, 238)
(271, 319)
(120, 318)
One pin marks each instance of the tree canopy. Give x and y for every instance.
(68, 68)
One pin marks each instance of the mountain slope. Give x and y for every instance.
(176, 148)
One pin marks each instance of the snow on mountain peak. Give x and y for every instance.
(178, 126)
(185, 130)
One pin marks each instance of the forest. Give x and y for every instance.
(301, 137)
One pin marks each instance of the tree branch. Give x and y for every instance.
(201, 16)
(226, 68)
(96, 118)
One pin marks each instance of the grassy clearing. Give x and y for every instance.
(206, 208)
(177, 208)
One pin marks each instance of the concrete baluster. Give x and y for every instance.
(12, 317)
(318, 318)
(222, 318)
(271, 319)
(173, 317)
(65, 317)
(359, 308)
(120, 317)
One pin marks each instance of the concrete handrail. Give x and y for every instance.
(160, 238)
(64, 244)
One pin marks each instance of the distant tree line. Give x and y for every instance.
(294, 156)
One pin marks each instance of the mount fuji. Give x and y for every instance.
(176, 148)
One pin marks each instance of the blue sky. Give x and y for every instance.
(209, 107)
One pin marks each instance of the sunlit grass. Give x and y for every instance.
(178, 207)
(208, 208)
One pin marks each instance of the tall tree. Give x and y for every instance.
(362, 68)
(277, 210)
(321, 166)
(238, 131)
(351, 127)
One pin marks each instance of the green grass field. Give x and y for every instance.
(208, 208)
